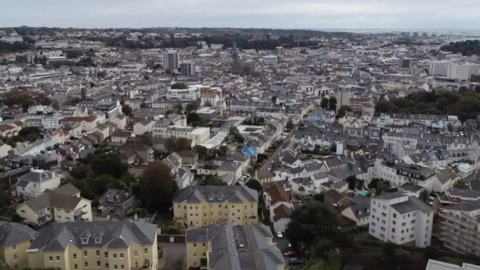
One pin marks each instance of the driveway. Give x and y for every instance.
(174, 255)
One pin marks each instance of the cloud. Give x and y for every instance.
(246, 13)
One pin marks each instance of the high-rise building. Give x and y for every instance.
(187, 68)
(462, 71)
(438, 68)
(343, 98)
(170, 60)
(279, 50)
(403, 63)
(401, 219)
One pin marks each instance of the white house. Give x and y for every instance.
(34, 183)
(279, 205)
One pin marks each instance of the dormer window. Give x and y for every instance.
(85, 237)
(84, 240)
(98, 240)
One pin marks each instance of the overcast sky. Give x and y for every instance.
(432, 14)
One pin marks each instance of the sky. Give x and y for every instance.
(306, 14)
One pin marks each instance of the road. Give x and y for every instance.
(274, 156)
(175, 254)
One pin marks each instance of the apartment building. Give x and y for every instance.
(199, 135)
(187, 68)
(459, 227)
(438, 265)
(401, 219)
(15, 240)
(171, 60)
(112, 245)
(438, 68)
(343, 98)
(34, 183)
(197, 206)
(63, 204)
(229, 247)
(462, 71)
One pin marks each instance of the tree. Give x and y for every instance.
(181, 144)
(379, 185)
(324, 103)
(424, 196)
(313, 228)
(126, 109)
(254, 184)
(332, 103)
(211, 180)
(179, 85)
(352, 182)
(157, 187)
(169, 145)
(320, 197)
(342, 110)
(110, 164)
(193, 117)
(460, 184)
(289, 124)
(192, 106)
(200, 150)
(178, 108)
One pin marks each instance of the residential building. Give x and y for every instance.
(462, 71)
(439, 68)
(279, 205)
(198, 135)
(187, 68)
(459, 227)
(197, 206)
(343, 98)
(229, 247)
(63, 204)
(34, 183)
(112, 245)
(116, 203)
(401, 219)
(171, 60)
(16, 239)
(438, 265)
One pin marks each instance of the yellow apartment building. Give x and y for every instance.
(197, 206)
(229, 247)
(14, 241)
(109, 245)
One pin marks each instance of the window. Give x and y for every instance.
(114, 255)
(86, 264)
(121, 255)
(135, 253)
(75, 266)
(15, 257)
(194, 245)
(136, 264)
(14, 247)
(58, 258)
(145, 250)
(204, 254)
(394, 215)
(85, 253)
(393, 230)
(106, 254)
(204, 244)
(98, 253)
(115, 267)
(74, 256)
(194, 254)
(50, 258)
(107, 266)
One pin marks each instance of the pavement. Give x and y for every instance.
(173, 256)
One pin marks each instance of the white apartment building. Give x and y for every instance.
(187, 68)
(171, 60)
(438, 68)
(462, 71)
(438, 265)
(199, 135)
(460, 227)
(399, 173)
(193, 92)
(401, 219)
(270, 59)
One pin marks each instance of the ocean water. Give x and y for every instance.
(462, 32)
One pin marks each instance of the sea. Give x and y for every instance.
(430, 31)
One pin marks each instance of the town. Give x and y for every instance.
(229, 149)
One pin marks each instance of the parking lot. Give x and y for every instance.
(174, 254)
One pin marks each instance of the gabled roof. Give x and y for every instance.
(277, 194)
(14, 233)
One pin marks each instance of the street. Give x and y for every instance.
(174, 254)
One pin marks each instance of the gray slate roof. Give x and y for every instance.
(110, 234)
(413, 204)
(14, 233)
(217, 194)
(238, 247)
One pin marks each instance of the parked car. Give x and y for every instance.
(290, 254)
(294, 261)
(280, 234)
